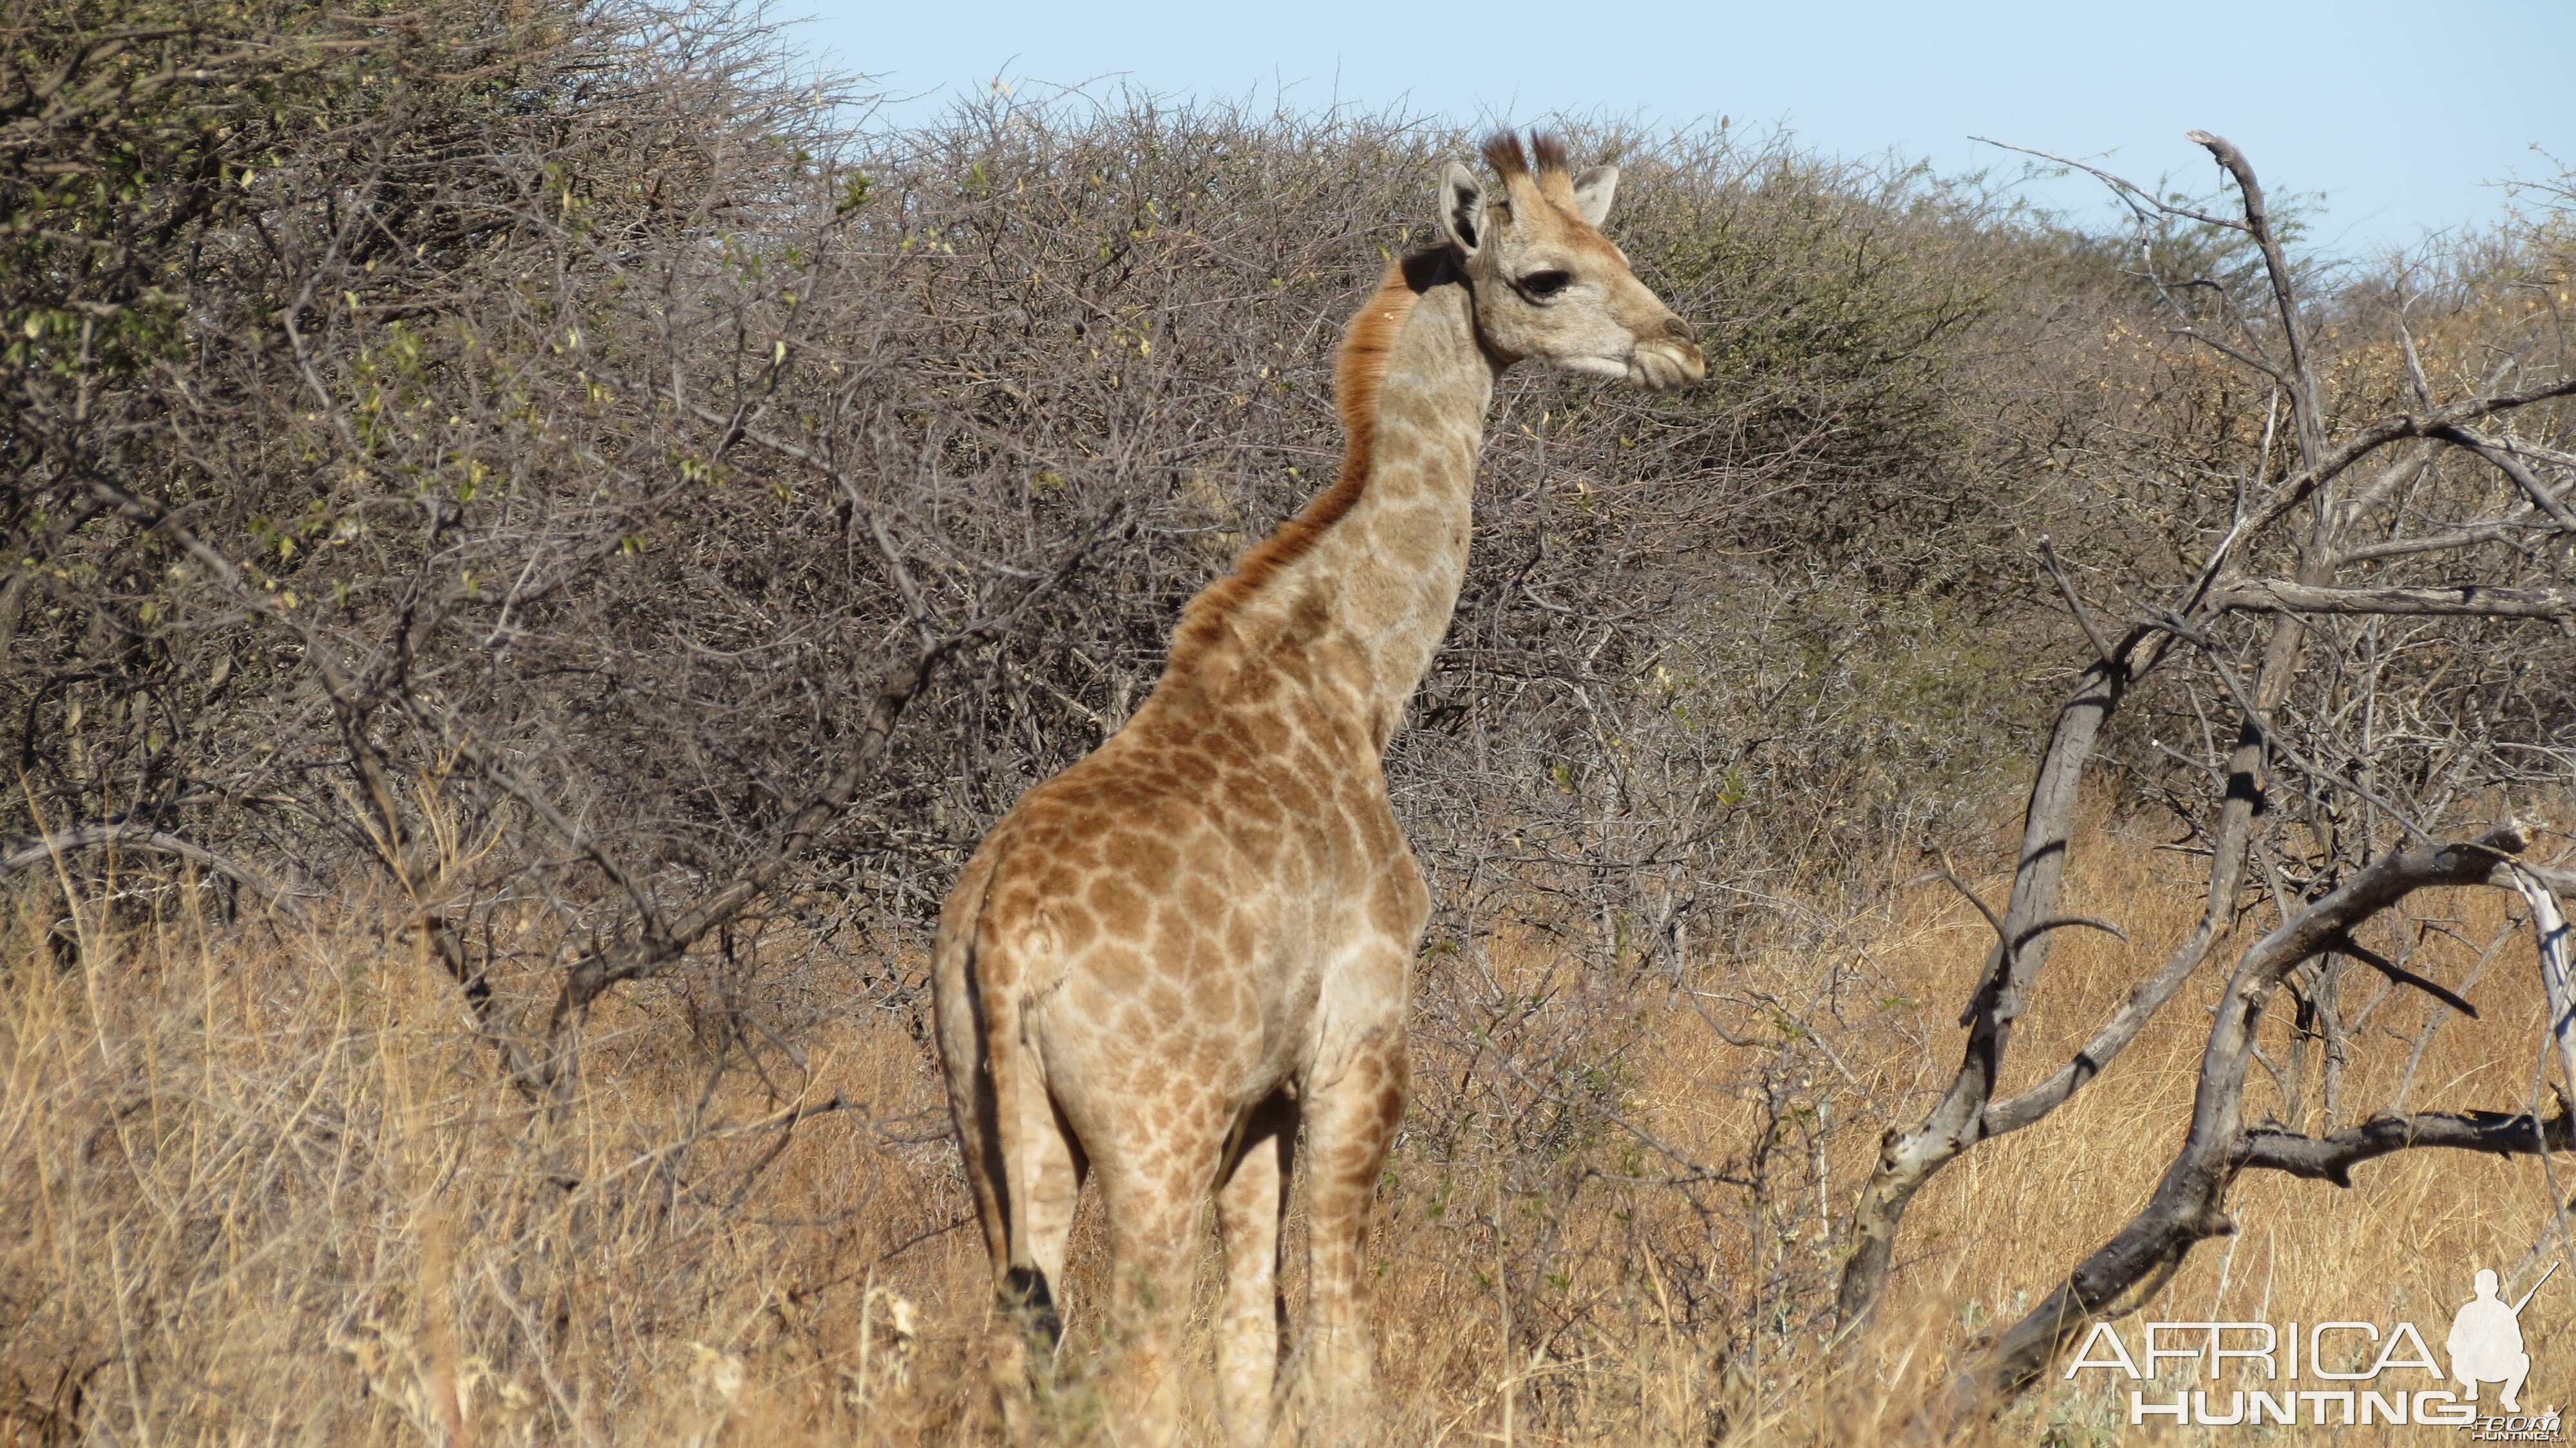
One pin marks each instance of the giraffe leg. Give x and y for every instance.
(1351, 1118)
(1154, 1198)
(1052, 1197)
(1248, 1207)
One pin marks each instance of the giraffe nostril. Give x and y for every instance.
(1678, 330)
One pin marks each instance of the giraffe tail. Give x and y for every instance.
(1022, 1113)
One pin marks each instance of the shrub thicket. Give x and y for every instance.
(537, 458)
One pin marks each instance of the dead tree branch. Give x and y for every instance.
(2469, 600)
(141, 837)
(2331, 1158)
(2187, 1207)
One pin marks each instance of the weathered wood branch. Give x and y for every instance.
(2468, 600)
(2186, 1208)
(2331, 1158)
(2540, 493)
(2306, 413)
(1907, 1159)
(1967, 1112)
(2395, 428)
(2400, 975)
(2541, 889)
(2074, 601)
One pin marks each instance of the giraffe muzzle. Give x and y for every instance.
(1668, 361)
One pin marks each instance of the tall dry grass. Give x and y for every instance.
(261, 1184)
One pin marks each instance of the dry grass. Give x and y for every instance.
(259, 1187)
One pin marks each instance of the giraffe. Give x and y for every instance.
(1168, 961)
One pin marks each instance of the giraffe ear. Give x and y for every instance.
(1462, 208)
(1593, 190)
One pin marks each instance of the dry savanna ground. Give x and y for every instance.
(261, 1183)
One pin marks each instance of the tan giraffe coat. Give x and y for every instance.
(1171, 956)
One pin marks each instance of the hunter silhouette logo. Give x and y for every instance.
(2486, 1340)
(2339, 1373)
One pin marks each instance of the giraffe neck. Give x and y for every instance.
(1376, 591)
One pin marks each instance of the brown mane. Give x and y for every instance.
(1358, 368)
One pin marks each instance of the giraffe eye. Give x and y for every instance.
(1546, 283)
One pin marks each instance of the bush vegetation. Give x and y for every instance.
(533, 549)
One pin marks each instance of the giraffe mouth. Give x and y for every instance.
(1658, 365)
(1616, 369)
(1661, 365)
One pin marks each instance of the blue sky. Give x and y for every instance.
(2395, 114)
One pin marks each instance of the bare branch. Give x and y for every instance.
(2274, 595)
(141, 837)
(2540, 890)
(2140, 201)
(2399, 975)
(2059, 922)
(2083, 616)
(1950, 877)
(2306, 410)
(2542, 496)
(2295, 489)
(2186, 1207)
(2332, 1157)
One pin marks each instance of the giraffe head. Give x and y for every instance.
(1548, 285)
